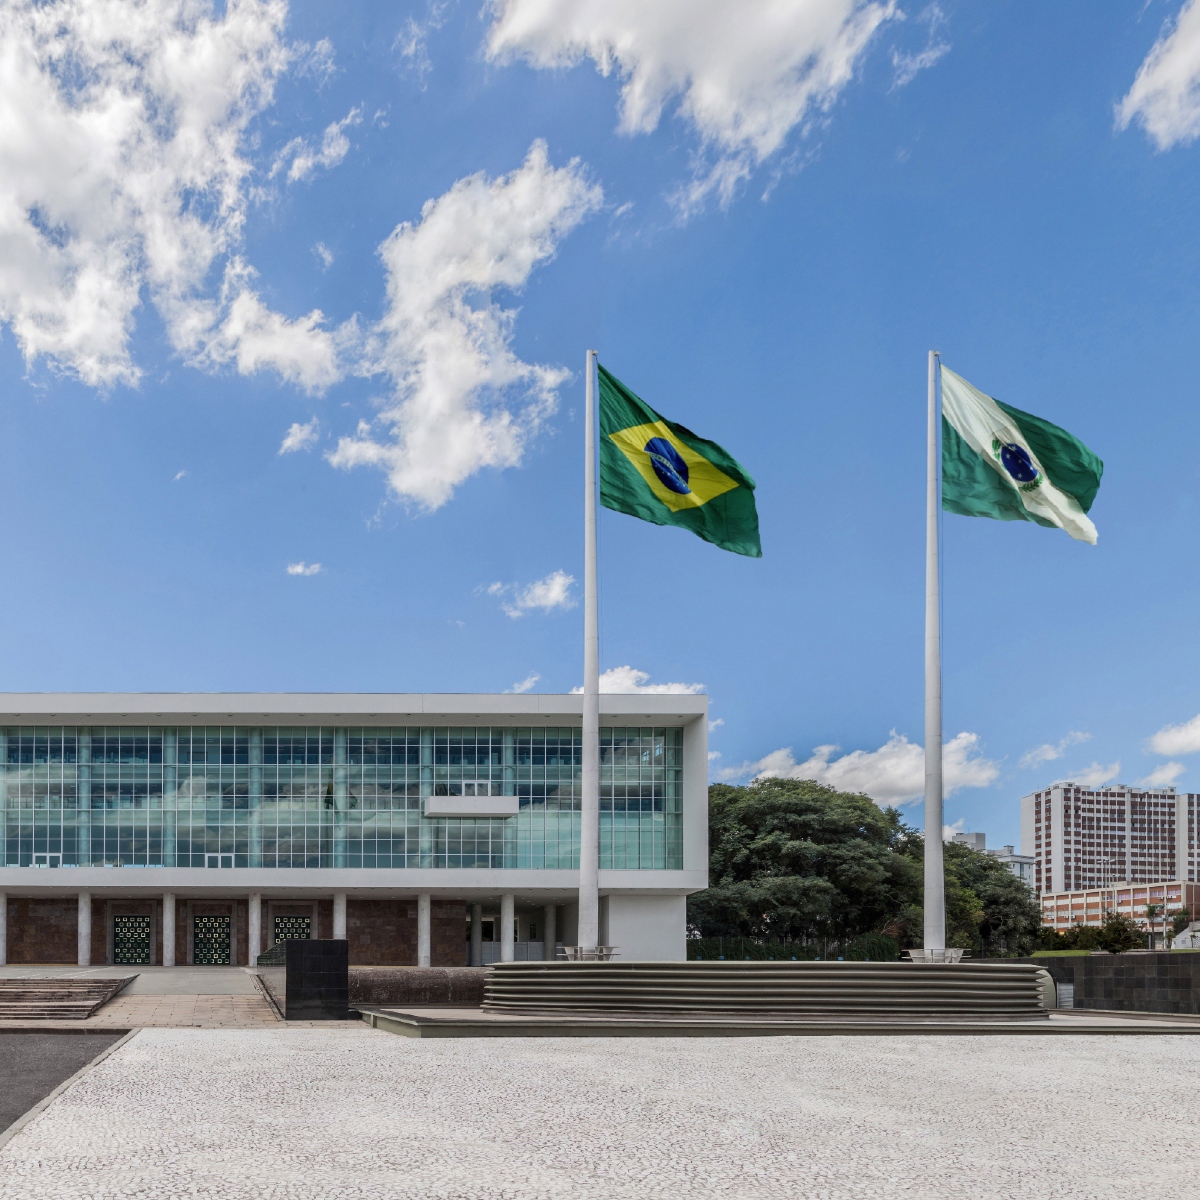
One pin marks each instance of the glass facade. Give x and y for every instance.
(332, 796)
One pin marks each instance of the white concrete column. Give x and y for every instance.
(339, 916)
(477, 935)
(3, 929)
(254, 929)
(424, 922)
(168, 929)
(507, 913)
(85, 929)
(549, 931)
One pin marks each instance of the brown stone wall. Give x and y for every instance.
(325, 919)
(382, 932)
(447, 934)
(44, 930)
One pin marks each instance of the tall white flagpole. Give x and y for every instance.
(935, 879)
(589, 831)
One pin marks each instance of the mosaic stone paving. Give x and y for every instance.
(348, 1112)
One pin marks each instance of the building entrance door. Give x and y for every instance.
(131, 940)
(292, 927)
(210, 941)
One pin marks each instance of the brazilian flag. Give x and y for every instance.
(662, 472)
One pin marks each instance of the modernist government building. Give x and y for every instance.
(434, 830)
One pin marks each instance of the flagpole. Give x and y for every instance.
(935, 880)
(589, 832)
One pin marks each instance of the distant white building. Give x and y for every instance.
(1021, 865)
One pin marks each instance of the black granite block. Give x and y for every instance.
(318, 980)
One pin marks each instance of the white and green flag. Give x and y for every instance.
(1003, 463)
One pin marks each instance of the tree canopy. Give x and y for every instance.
(794, 860)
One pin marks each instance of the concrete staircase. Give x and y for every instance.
(56, 999)
(992, 991)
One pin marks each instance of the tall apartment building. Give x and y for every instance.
(1084, 838)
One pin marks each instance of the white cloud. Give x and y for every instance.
(412, 41)
(628, 681)
(324, 253)
(462, 400)
(122, 175)
(909, 66)
(713, 755)
(948, 831)
(1165, 96)
(1091, 777)
(712, 725)
(542, 595)
(526, 684)
(1049, 751)
(303, 568)
(305, 160)
(1163, 775)
(301, 437)
(1176, 739)
(178, 476)
(743, 75)
(893, 774)
(254, 337)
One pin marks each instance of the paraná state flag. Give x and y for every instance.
(1000, 462)
(660, 471)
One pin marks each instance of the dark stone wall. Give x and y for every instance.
(382, 932)
(1165, 982)
(411, 986)
(447, 934)
(46, 931)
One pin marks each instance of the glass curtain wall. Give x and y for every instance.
(331, 797)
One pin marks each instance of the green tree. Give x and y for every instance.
(791, 859)
(794, 860)
(1179, 922)
(1120, 933)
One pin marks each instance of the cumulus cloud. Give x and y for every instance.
(526, 684)
(303, 568)
(1163, 775)
(122, 175)
(893, 774)
(462, 399)
(742, 75)
(300, 437)
(304, 159)
(1165, 96)
(1176, 739)
(543, 595)
(629, 681)
(948, 831)
(1049, 751)
(179, 475)
(254, 337)
(324, 255)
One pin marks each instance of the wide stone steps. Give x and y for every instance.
(990, 991)
(56, 999)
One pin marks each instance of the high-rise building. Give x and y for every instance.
(1083, 838)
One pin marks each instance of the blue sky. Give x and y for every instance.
(384, 238)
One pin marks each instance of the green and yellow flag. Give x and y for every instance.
(659, 471)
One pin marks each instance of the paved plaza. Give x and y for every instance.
(345, 1111)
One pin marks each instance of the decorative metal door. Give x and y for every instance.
(131, 940)
(210, 941)
(292, 927)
